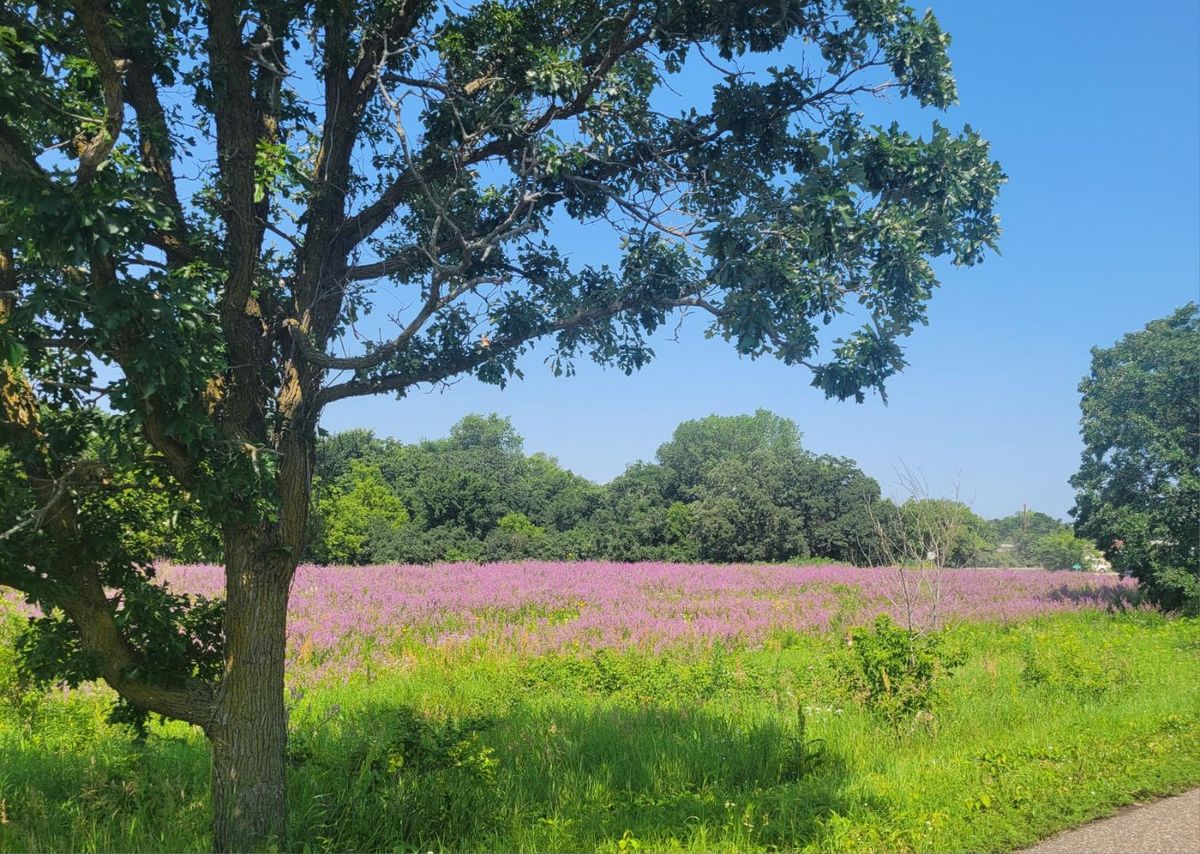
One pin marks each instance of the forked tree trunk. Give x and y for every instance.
(249, 728)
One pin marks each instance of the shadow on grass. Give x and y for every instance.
(1110, 598)
(76, 783)
(547, 775)
(560, 777)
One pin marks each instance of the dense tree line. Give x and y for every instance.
(1031, 538)
(723, 489)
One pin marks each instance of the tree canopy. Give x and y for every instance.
(1138, 484)
(201, 203)
(1020, 527)
(698, 445)
(750, 499)
(1032, 538)
(506, 505)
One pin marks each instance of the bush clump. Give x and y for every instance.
(1088, 672)
(898, 673)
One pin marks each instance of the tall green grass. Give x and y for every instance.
(1043, 724)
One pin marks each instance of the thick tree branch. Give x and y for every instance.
(93, 15)
(16, 159)
(436, 301)
(412, 256)
(154, 145)
(76, 586)
(347, 93)
(239, 125)
(89, 609)
(404, 258)
(237, 136)
(79, 474)
(92, 613)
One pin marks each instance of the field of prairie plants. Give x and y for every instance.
(638, 707)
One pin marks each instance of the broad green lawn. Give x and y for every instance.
(1045, 724)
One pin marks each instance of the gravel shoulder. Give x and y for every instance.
(1166, 826)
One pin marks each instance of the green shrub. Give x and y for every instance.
(898, 673)
(1175, 588)
(1064, 663)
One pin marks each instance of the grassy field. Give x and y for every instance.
(1036, 724)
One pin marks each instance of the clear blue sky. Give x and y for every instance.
(1093, 108)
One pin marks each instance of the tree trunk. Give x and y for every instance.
(249, 729)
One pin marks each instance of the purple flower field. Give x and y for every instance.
(542, 607)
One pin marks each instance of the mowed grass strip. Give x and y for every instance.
(1046, 723)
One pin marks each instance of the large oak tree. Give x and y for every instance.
(199, 202)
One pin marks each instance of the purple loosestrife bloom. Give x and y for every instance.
(339, 615)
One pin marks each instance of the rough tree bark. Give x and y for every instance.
(248, 730)
(248, 726)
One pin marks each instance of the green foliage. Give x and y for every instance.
(928, 532)
(862, 211)
(1062, 550)
(464, 480)
(680, 531)
(1138, 485)
(553, 497)
(696, 447)
(759, 751)
(358, 513)
(1030, 538)
(336, 454)
(971, 539)
(736, 518)
(132, 520)
(750, 493)
(458, 545)
(638, 679)
(426, 775)
(518, 524)
(446, 499)
(759, 499)
(515, 537)
(898, 673)
(1021, 527)
(1065, 664)
(175, 639)
(632, 521)
(20, 696)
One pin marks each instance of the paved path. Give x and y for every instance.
(1168, 826)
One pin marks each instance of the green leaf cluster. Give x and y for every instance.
(736, 488)
(1137, 491)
